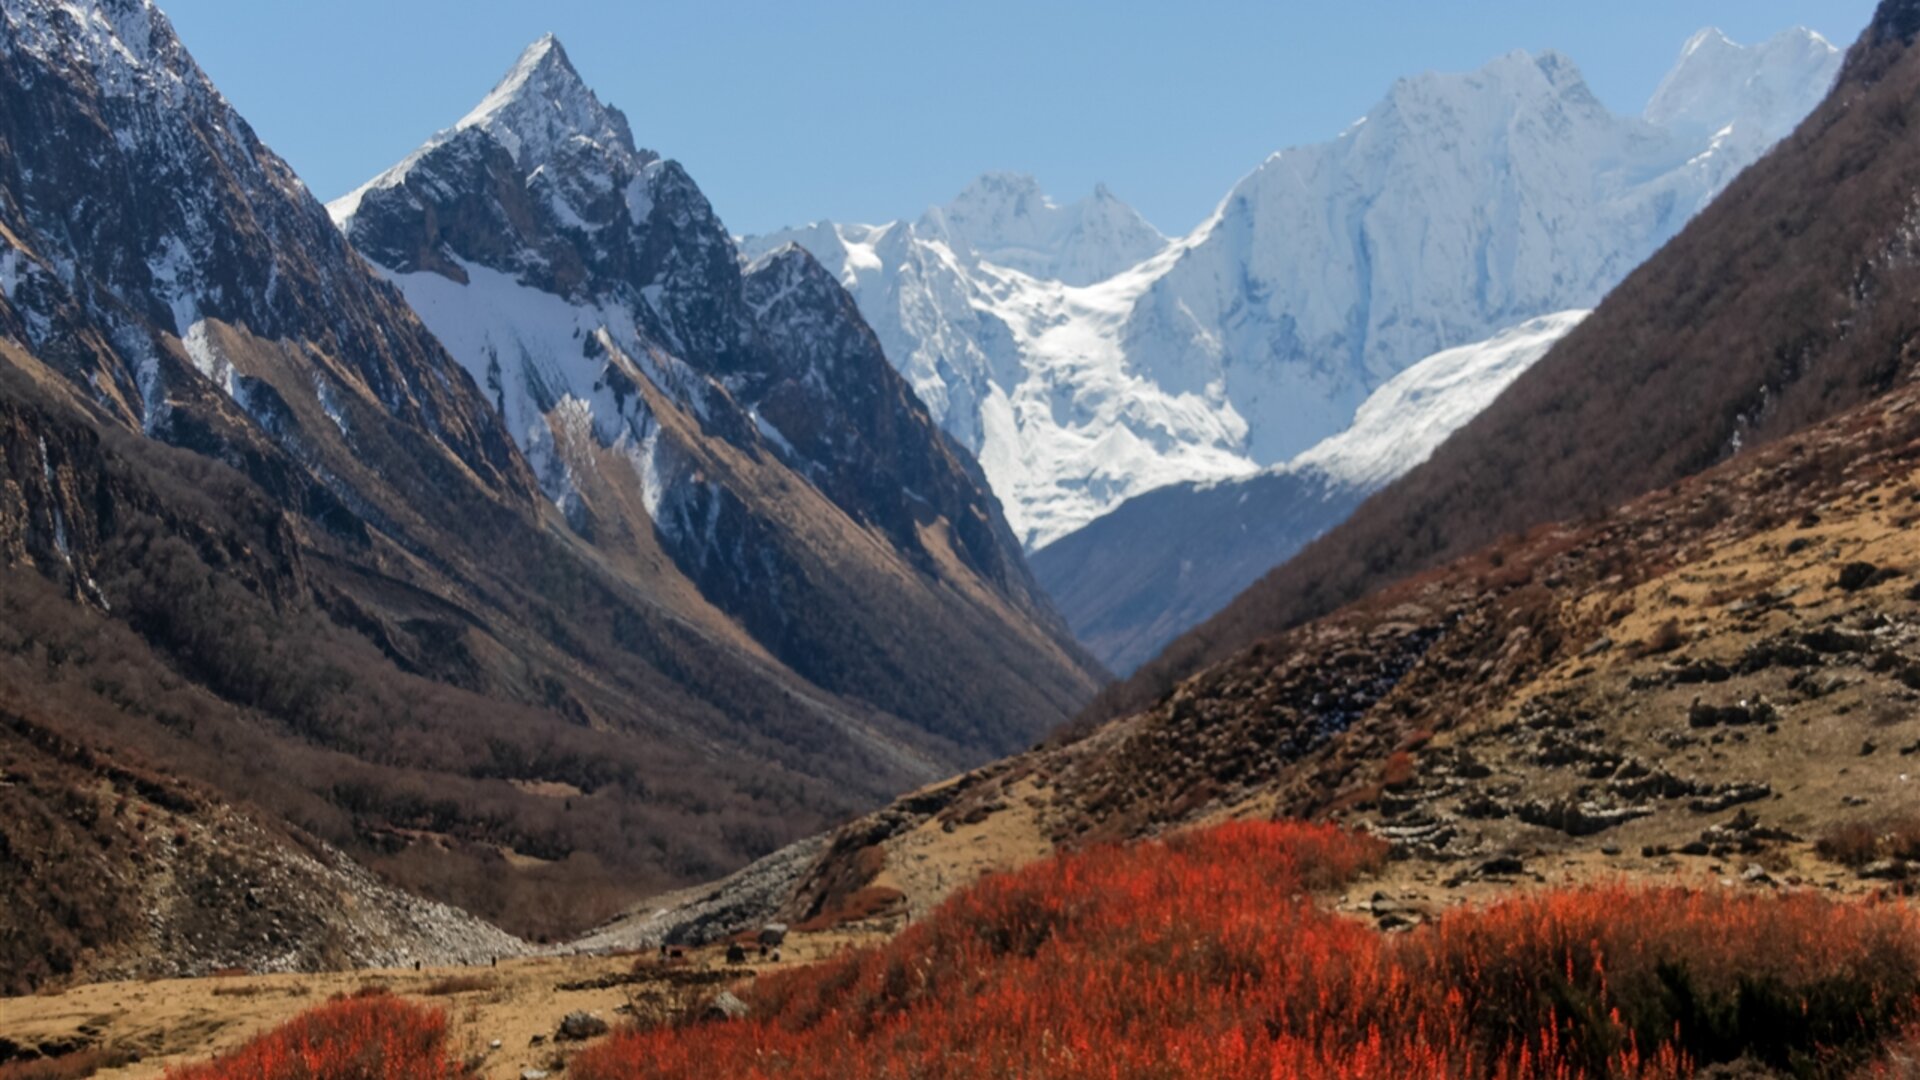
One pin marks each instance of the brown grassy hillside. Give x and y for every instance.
(1715, 677)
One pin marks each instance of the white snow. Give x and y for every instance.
(1401, 424)
(545, 362)
(1717, 84)
(771, 433)
(1006, 220)
(330, 403)
(207, 357)
(1083, 361)
(172, 269)
(10, 259)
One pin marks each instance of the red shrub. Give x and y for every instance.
(1398, 772)
(1204, 956)
(367, 1037)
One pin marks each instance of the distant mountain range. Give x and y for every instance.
(1790, 299)
(1459, 208)
(1084, 360)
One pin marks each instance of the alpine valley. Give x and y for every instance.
(503, 624)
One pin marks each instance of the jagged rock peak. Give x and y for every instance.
(542, 113)
(542, 103)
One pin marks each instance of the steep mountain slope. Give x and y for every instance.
(121, 871)
(1136, 578)
(1789, 299)
(1460, 205)
(745, 423)
(1713, 678)
(264, 536)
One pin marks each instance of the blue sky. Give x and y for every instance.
(787, 112)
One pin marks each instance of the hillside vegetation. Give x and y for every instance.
(1212, 954)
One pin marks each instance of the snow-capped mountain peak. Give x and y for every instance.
(1718, 83)
(543, 104)
(1461, 204)
(735, 425)
(1004, 218)
(553, 127)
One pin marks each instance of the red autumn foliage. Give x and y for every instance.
(373, 1036)
(1206, 956)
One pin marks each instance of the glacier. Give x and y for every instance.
(1163, 561)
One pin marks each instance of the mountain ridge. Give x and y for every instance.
(1257, 334)
(601, 284)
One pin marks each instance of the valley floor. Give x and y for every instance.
(507, 1019)
(520, 1003)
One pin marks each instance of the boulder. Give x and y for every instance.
(579, 1025)
(726, 1006)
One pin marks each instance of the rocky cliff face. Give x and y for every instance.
(145, 223)
(838, 412)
